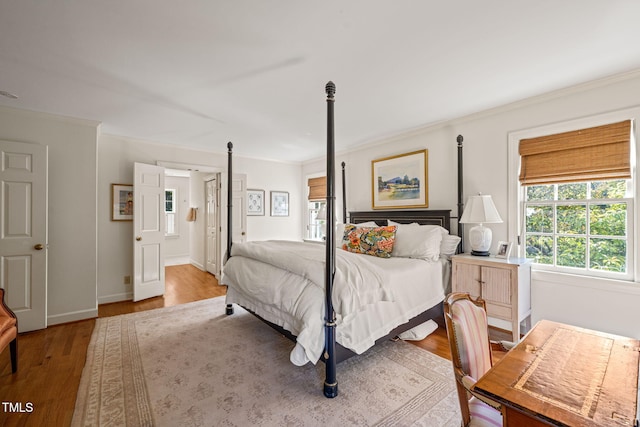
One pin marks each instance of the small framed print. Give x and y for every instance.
(121, 202)
(279, 203)
(504, 248)
(255, 202)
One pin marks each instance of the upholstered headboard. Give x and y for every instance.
(423, 217)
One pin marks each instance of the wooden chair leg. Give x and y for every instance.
(13, 347)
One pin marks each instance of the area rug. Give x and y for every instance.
(192, 365)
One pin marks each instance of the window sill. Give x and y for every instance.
(598, 283)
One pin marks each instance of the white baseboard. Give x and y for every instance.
(197, 265)
(57, 319)
(107, 299)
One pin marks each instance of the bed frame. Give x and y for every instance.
(334, 352)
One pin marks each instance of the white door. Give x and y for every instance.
(239, 201)
(148, 231)
(23, 237)
(239, 211)
(212, 227)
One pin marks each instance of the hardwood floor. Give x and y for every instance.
(50, 361)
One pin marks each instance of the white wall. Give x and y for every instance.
(115, 239)
(72, 207)
(78, 277)
(486, 170)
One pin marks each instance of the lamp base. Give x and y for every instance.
(480, 253)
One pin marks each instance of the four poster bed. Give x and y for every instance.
(335, 303)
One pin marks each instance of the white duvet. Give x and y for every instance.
(283, 282)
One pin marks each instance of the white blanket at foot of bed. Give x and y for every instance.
(283, 282)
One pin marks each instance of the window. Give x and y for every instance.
(170, 210)
(583, 225)
(316, 225)
(577, 193)
(317, 201)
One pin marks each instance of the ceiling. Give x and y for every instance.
(201, 73)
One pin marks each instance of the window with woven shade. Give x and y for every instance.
(597, 153)
(578, 204)
(318, 188)
(317, 200)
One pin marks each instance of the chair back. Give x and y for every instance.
(470, 329)
(468, 333)
(8, 331)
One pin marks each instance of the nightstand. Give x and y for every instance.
(504, 284)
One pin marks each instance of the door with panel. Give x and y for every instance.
(212, 227)
(23, 231)
(148, 231)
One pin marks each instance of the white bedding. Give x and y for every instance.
(283, 282)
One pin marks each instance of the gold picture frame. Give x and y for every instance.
(400, 181)
(121, 202)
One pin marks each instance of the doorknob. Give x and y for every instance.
(243, 233)
(39, 247)
(138, 238)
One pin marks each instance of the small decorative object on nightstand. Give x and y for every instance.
(504, 249)
(504, 284)
(480, 210)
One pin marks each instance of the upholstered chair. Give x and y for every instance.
(8, 332)
(468, 332)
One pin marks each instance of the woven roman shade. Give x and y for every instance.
(318, 189)
(592, 154)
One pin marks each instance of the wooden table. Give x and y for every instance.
(568, 376)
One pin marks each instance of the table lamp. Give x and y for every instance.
(480, 210)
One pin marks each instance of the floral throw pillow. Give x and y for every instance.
(376, 241)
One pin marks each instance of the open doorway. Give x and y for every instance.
(205, 203)
(179, 212)
(186, 214)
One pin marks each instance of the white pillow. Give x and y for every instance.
(449, 243)
(419, 332)
(415, 241)
(339, 237)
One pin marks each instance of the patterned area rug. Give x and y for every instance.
(191, 365)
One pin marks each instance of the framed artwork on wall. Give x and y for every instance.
(279, 203)
(255, 202)
(400, 181)
(121, 202)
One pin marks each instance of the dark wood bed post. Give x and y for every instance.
(344, 195)
(330, 382)
(229, 309)
(459, 139)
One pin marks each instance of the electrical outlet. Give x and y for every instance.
(127, 280)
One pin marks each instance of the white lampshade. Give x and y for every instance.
(480, 210)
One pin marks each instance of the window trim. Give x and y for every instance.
(176, 228)
(590, 272)
(515, 195)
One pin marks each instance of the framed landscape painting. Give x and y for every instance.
(400, 181)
